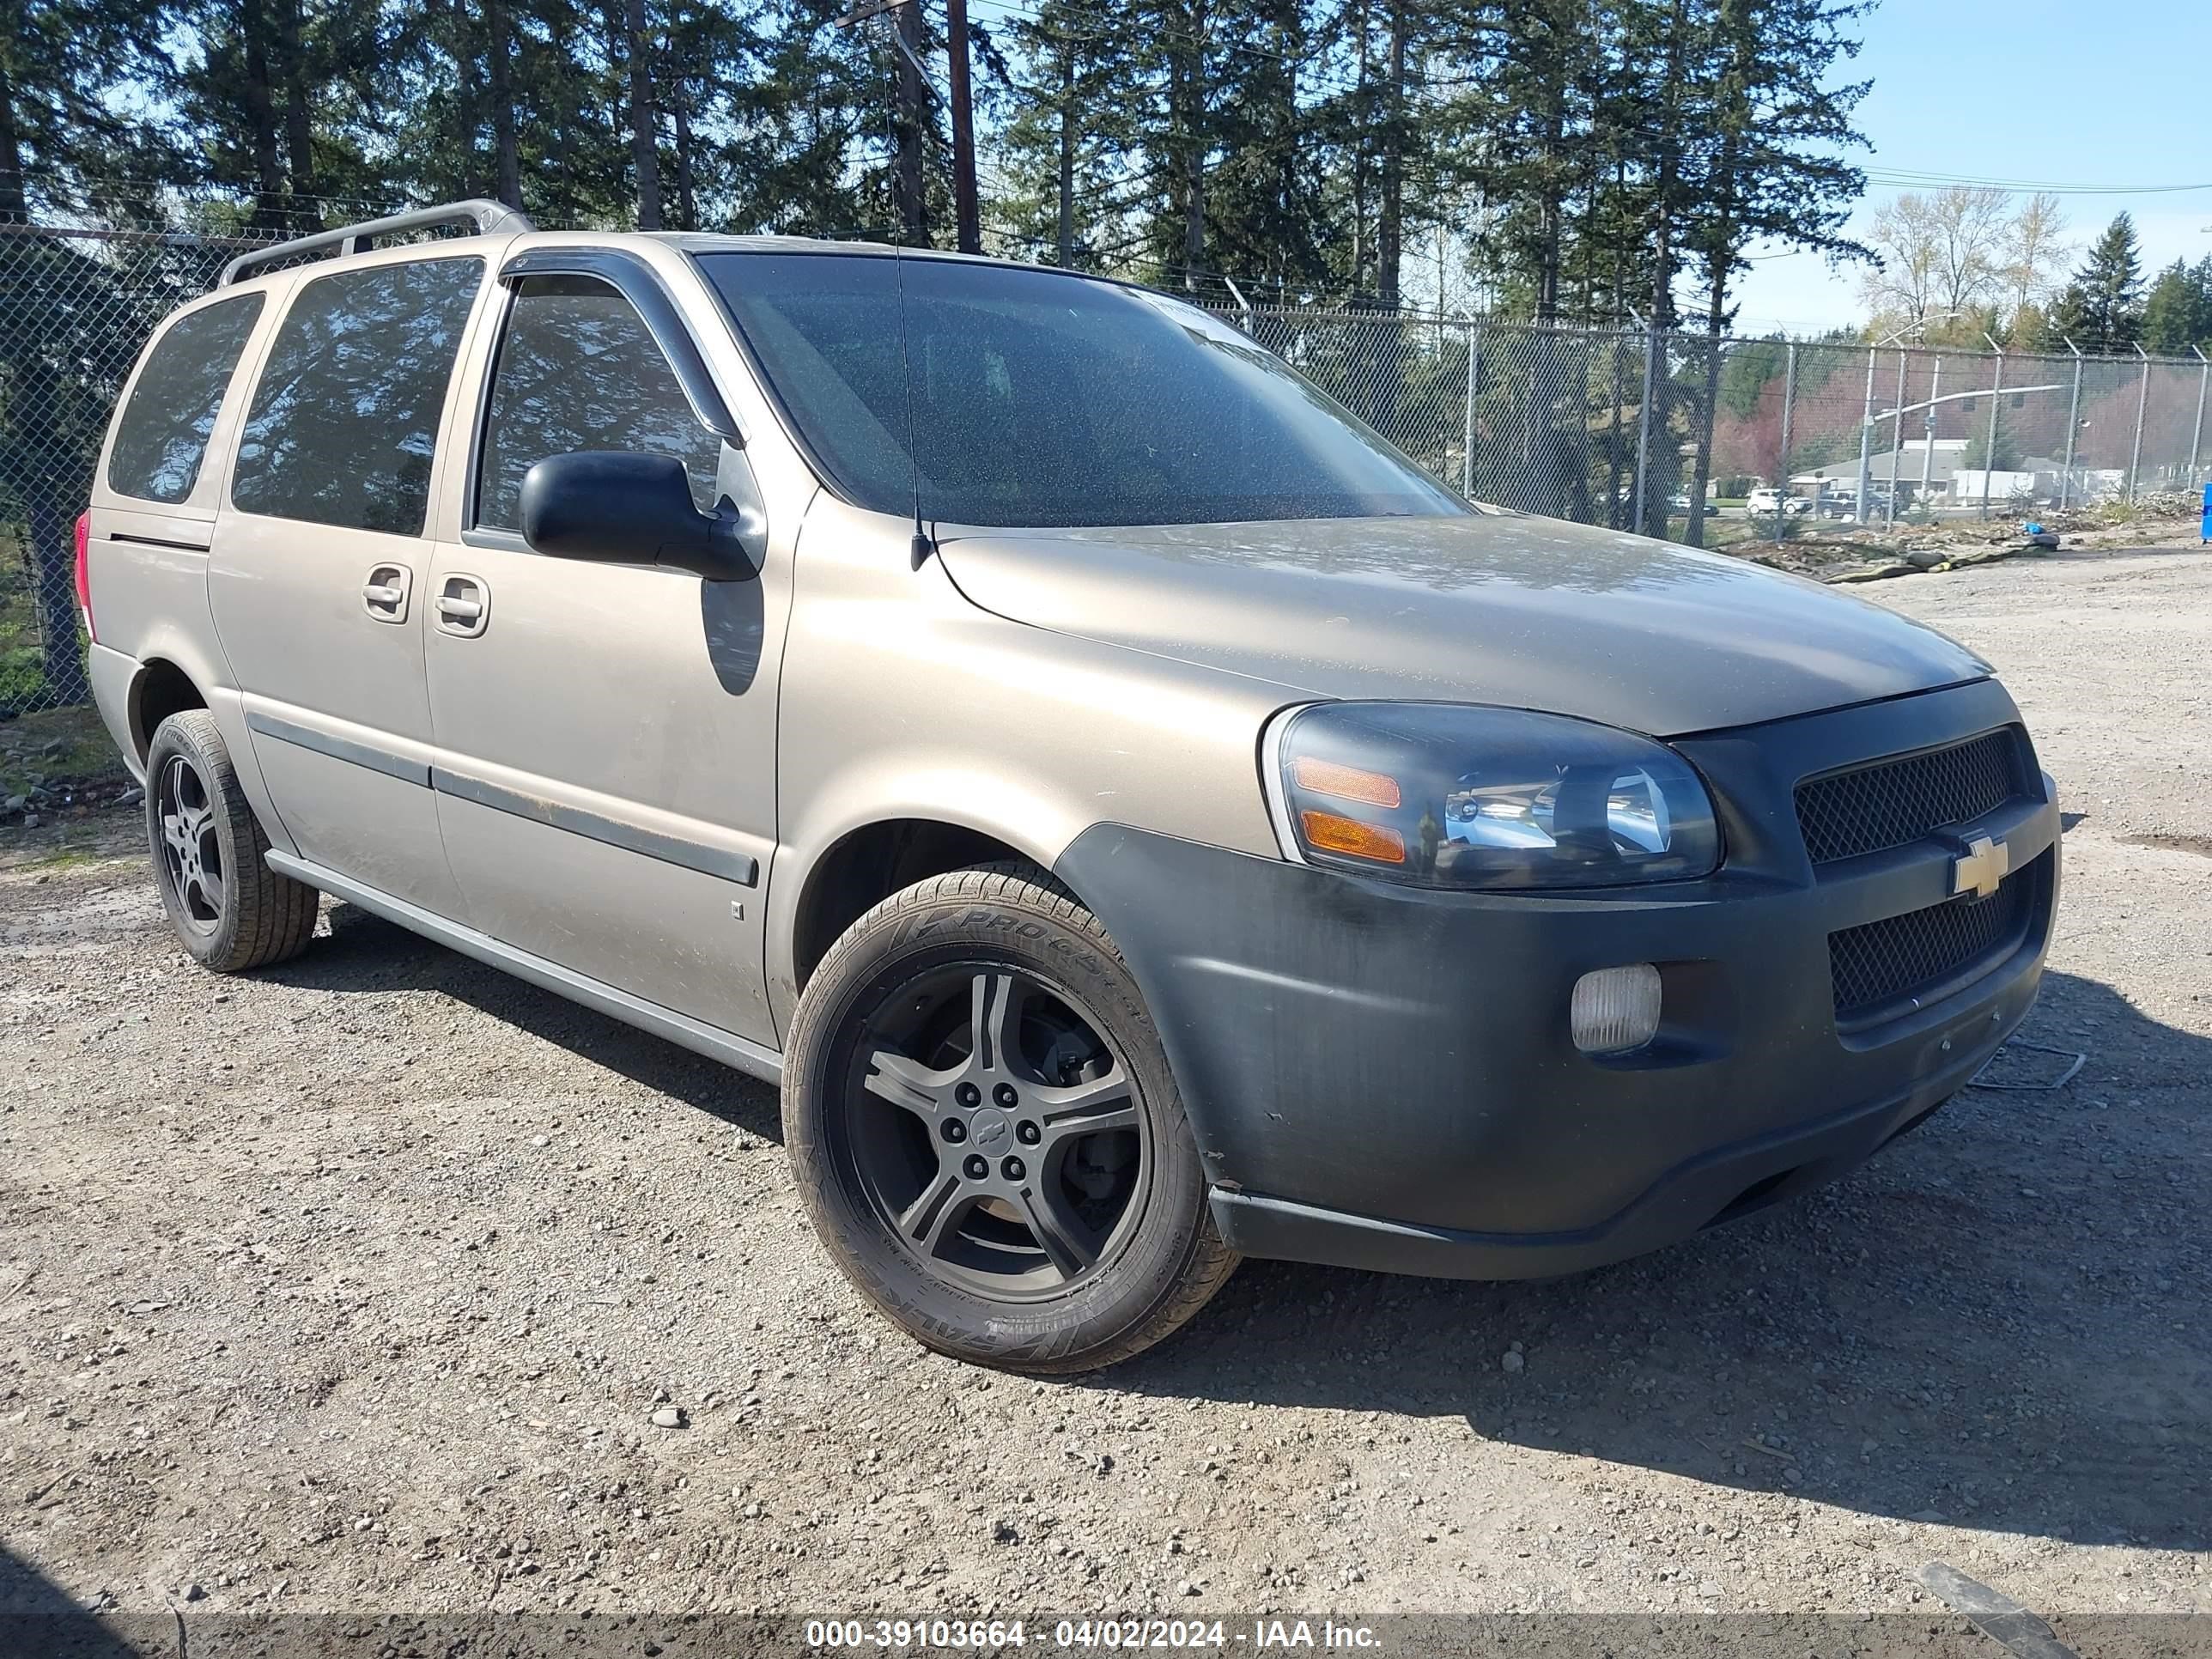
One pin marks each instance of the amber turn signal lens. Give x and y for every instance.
(1345, 782)
(1329, 833)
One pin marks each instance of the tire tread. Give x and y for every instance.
(275, 914)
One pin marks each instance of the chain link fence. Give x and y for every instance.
(1669, 434)
(76, 307)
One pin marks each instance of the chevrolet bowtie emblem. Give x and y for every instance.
(1980, 867)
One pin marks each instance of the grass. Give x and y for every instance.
(22, 662)
(54, 746)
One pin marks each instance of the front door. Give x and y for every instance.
(320, 557)
(605, 733)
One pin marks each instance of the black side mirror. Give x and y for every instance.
(614, 507)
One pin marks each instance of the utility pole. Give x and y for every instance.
(1065, 242)
(913, 112)
(911, 82)
(966, 217)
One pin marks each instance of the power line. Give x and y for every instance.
(1906, 176)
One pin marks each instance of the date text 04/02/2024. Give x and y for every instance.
(1133, 1635)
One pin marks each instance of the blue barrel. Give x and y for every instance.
(2208, 512)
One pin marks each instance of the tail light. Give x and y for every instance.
(84, 572)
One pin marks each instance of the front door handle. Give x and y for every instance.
(384, 595)
(464, 605)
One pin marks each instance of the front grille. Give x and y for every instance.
(1893, 803)
(1884, 961)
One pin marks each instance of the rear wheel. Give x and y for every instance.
(228, 907)
(986, 1133)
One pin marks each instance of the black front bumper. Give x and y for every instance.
(1382, 1077)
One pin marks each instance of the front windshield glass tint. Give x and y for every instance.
(1039, 400)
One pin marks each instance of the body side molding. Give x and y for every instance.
(740, 868)
(337, 747)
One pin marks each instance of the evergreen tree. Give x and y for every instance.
(2178, 312)
(1066, 150)
(62, 142)
(2101, 309)
(1775, 123)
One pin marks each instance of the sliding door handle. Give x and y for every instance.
(384, 595)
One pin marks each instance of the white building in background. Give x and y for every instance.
(1951, 482)
(1841, 479)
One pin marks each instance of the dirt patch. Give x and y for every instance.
(357, 1284)
(2200, 845)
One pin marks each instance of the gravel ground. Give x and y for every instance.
(357, 1284)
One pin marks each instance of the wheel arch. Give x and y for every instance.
(869, 862)
(160, 688)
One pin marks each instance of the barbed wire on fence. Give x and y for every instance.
(1625, 428)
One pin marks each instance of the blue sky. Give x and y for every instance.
(2118, 93)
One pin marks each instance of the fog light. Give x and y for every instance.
(1615, 1009)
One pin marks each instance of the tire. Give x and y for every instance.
(228, 908)
(986, 1134)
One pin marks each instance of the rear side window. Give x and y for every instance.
(163, 434)
(345, 423)
(578, 369)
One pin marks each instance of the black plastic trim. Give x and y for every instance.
(1704, 1191)
(739, 868)
(172, 542)
(1383, 1076)
(638, 283)
(337, 747)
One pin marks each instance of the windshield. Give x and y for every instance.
(1043, 400)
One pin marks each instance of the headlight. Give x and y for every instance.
(1456, 795)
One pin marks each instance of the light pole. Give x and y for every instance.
(2197, 433)
(1996, 397)
(1896, 446)
(1644, 415)
(2073, 429)
(1866, 415)
(1928, 443)
(2142, 407)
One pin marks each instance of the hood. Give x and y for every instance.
(1499, 608)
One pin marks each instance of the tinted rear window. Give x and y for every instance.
(1010, 396)
(163, 434)
(345, 422)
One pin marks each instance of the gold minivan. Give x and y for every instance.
(1138, 817)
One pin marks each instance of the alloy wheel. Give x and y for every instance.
(996, 1130)
(191, 852)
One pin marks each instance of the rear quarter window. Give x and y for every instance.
(343, 426)
(161, 437)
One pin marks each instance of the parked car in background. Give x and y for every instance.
(1137, 817)
(1765, 502)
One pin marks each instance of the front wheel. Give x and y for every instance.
(986, 1134)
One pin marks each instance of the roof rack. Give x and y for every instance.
(486, 217)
